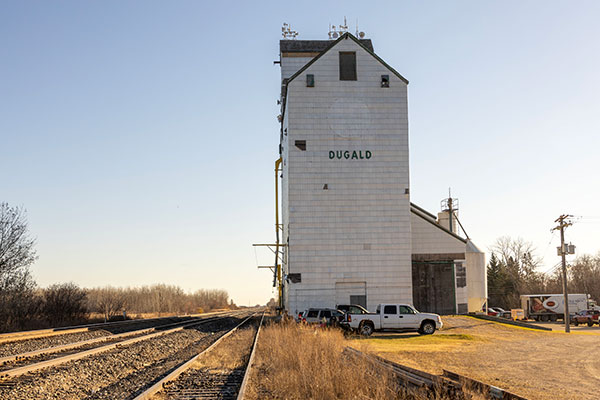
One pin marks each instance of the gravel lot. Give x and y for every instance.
(118, 373)
(534, 364)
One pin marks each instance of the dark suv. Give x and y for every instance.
(320, 315)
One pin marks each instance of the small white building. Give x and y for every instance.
(350, 232)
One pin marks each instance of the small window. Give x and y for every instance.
(461, 275)
(385, 81)
(361, 300)
(312, 314)
(301, 144)
(326, 314)
(347, 66)
(390, 310)
(310, 80)
(405, 310)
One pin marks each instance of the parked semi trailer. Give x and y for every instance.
(551, 307)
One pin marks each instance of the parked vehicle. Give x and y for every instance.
(352, 309)
(551, 307)
(589, 317)
(502, 313)
(393, 317)
(492, 312)
(320, 315)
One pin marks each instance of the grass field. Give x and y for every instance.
(531, 363)
(295, 361)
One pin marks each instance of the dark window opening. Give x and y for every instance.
(347, 66)
(326, 314)
(301, 144)
(295, 278)
(461, 275)
(390, 310)
(385, 81)
(310, 80)
(313, 314)
(405, 310)
(361, 300)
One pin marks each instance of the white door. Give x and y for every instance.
(389, 317)
(407, 317)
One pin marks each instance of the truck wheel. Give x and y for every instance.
(366, 329)
(427, 328)
(590, 323)
(576, 323)
(544, 318)
(554, 318)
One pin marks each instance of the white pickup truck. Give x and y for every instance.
(393, 317)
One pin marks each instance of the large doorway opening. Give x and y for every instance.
(351, 293)
(434, 287)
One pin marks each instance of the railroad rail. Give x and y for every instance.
(246, 378)
(450, 383)
(145, 335)
(224, 386)
(40, 333)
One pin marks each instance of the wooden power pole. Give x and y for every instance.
(563, 222)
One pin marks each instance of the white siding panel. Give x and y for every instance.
(359, 229)
(429, 239)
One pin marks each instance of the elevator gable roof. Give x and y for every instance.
(330, 45)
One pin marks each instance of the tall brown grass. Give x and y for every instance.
(302, 362)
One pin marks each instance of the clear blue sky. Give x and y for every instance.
(141, 136)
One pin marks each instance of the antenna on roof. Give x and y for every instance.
(344, 28)
(287, 32)
(333, 34)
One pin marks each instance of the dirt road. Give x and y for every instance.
(533, 364)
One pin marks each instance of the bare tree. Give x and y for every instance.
(108, 301)
(17, 251)
(64, 304)
(18, 301)
(512, 271)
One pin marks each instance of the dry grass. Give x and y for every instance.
(301, 362)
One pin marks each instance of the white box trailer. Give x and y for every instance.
(551, 307)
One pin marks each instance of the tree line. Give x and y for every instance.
(24, 305)
(514, 269)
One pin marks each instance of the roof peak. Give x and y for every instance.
(316, 46)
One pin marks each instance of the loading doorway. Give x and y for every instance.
(434, 287)
(351, 293)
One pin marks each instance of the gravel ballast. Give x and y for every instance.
(26, 345)
(117, 373)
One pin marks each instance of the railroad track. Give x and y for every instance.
(114, 370)
(186, 382)
(19, 364)
(113, 327)
(453, 385)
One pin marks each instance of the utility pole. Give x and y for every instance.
(563, 222)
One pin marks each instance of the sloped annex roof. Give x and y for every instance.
(427, 216)
(346, 35)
